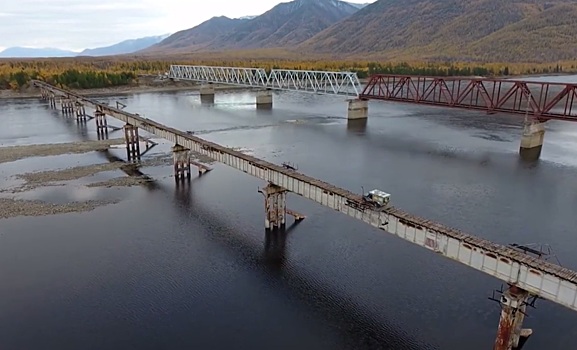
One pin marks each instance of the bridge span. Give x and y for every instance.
(319, 82)
(538, 102)
(528, 276)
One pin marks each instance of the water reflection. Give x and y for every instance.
(357, 126)
(356, 326)
(132, 170)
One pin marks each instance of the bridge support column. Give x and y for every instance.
(181, 163)
(132, 142)
(52, 100)
(532, 140)
(207, 93)
(264, 99)
(274, 206)
(358, 109)
(80, 111)
(101, 123)
(511, 335)
(67, 106)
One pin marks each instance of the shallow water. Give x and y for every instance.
(181, 267)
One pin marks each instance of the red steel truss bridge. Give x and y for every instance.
(539, 100)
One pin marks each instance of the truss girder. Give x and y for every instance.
(320, 82)
(541, 100)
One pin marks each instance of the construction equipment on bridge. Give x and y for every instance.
(547, 100)
(377, 197)
(321, 82)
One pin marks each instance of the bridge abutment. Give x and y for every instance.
(132, 142)
(511, 335)
(181, 163)
(358, 109)
(207, 93)
(532, 140)
(264, 99)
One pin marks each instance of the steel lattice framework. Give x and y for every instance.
(540, 100)
(321, 82)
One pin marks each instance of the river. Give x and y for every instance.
(187, 267)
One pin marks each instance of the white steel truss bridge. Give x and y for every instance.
(320, 82)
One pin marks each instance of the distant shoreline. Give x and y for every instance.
(113, 91)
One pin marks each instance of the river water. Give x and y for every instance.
(191, 267)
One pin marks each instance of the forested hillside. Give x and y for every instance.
(479, 30)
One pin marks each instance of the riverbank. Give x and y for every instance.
(31, 92)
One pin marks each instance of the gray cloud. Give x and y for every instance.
(80, 24)
(74, 24)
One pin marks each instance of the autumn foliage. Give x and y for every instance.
(85, 73)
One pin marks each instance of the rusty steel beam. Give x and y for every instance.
(540, 100)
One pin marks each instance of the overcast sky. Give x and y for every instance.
(79, 24)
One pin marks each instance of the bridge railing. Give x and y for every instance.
(321, 82)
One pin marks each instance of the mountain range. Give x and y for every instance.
(469, 30)
(409, 30)
(285, 25)
(124, 47)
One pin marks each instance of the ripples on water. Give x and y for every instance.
(181, 267)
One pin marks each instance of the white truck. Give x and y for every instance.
(377, 197)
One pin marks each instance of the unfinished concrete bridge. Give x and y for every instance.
(528, 275)
(538, 102)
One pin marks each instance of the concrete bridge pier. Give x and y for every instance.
(264, 99)
(181, 163)
(52, 100)
(207, 93)
(80, 111)
(132, 142)
(532, 140)
(67, 106)
(358, 109)
(274, 206)
(101, 123)
(511, 335)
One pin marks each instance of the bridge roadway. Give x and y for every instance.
(539, 277)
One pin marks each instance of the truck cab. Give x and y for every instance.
(377, 197)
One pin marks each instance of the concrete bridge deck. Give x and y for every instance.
(527, 275)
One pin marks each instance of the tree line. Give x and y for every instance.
(89, 73)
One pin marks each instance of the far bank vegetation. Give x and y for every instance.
(103, 73)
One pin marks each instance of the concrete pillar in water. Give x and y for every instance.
(132, 142)
(511, 335)
(274, 206)
(358, 109)
(264, 99)
(181, 162)
(80, 112)
(101, 124)
(532, 140)
(207, 93)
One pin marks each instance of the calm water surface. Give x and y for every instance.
(191, 267)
